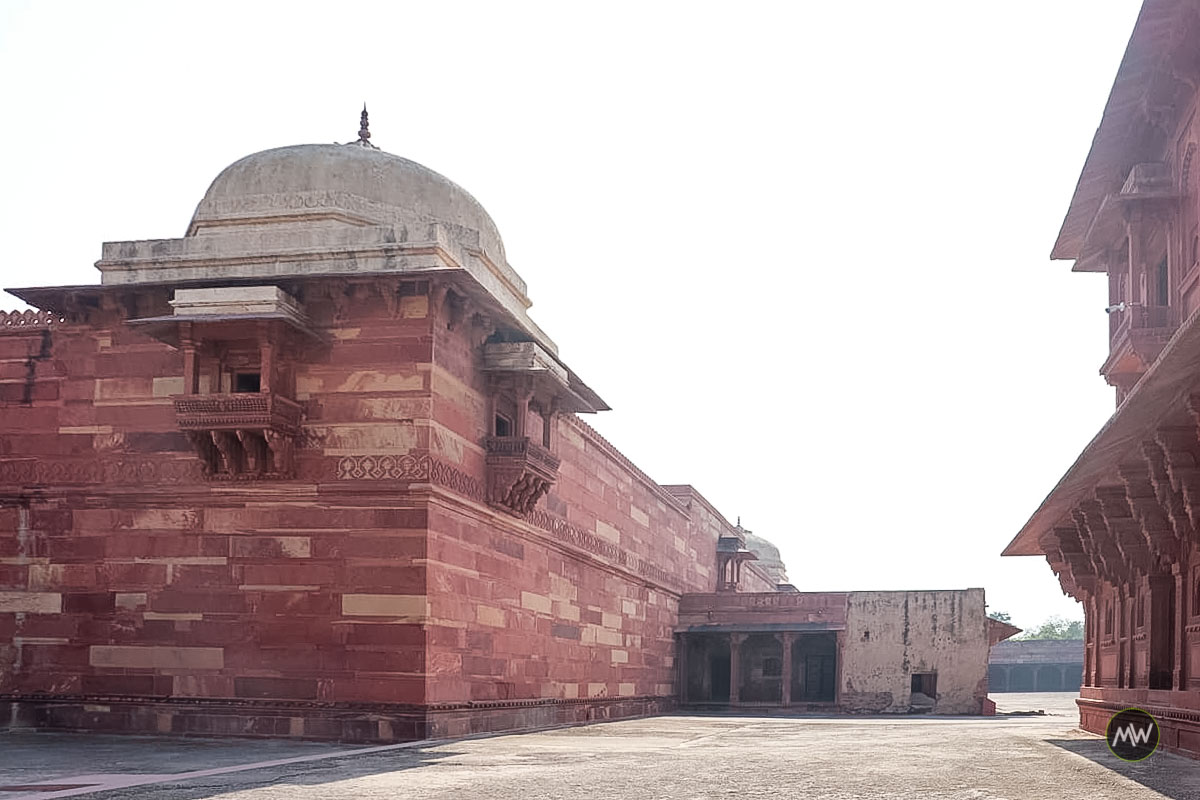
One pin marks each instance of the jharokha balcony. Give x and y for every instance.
(243, 435)
(519, 472)
(1136, 335)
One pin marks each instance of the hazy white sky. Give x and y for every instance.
(801, 248)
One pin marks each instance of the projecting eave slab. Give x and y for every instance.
(1160, 394)
(166, 328)
(545, 370)
(1144, 80)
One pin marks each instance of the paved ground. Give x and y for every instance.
(918, 758)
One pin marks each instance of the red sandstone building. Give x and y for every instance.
(1120, 528)
(311, 470)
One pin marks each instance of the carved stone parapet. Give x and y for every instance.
(519, 473)
(241, 436)
(29, 320)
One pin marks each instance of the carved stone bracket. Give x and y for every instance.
(1151, 514)
(1069, 560)
(1168, 497)
(1181, 451)
(1118, 515)
(1093, 528)
(519, 473)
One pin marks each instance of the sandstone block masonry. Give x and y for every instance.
(312, 471)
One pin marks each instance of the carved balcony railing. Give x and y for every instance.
(234, 411)
(1149, 317)
(1138, 318)
(1138, 334)
(241, 436)
(519, 472)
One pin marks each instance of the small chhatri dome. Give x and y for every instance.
(768, 555)
(334, 185)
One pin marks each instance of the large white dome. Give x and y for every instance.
(301, 181)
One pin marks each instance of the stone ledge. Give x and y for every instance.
(314, 720)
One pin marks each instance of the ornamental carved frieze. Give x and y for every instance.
(132, 470)
(519, 473)
(405, 467)
(241, 436)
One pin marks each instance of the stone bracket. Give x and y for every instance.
(519, 473)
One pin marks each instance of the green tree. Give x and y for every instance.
(1001, 616)
(1056, 628)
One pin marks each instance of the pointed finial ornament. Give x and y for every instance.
(364, 130)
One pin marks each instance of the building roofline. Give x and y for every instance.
(1123, 124)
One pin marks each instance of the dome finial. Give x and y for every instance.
(364, 130)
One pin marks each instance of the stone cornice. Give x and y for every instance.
(291, 262)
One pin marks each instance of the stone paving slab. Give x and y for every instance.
(839, 758)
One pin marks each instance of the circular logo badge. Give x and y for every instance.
(1132, 734)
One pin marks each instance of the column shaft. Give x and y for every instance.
(786, 689)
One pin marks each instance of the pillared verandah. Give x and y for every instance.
(1122, 528)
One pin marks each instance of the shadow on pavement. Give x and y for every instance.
(305, 774)
(1166, 773)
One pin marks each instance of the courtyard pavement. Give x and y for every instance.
(920, 757)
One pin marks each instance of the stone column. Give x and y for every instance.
(266, 351)
(1122, 612)
(522, 421)
(1133, 289)
(1179, 629)
(551, 415)
(735, 667)
(786, 696)
(188, 346)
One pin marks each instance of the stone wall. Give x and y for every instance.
(376, 595)
(571, 607)
(891, 635)
(136, 595)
